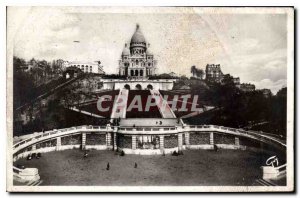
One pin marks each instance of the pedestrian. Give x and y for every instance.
(107, 166)
(135, 165)
(215, 148)
(85, 154)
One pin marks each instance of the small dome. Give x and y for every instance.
(125, 51)
(138, 36)
(149, 52)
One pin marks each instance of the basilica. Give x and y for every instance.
(137, 65)
(137, 60)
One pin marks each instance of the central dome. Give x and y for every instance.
(138, 36)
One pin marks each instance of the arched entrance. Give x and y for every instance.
(138, 87)
(150, 87)
(127, 86)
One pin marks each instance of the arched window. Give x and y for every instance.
(149, 87)
(138, 87)
(136, 62)
(141, 72)
(131, 73)
(136, 72)
(127, 87)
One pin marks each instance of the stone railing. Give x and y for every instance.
(56, 133)
(261, 136)
(147, 130)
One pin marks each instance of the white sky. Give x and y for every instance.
(251, 46)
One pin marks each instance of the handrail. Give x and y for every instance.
(17, 169)
(280, 167)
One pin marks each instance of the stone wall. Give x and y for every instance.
(162, 84)
(95, 139)
(249, 142)
(49, 143)
(124, 141)
(71, 140)
(223, 139)
(171, 141)
(199, 138)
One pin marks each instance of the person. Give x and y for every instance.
(29, 157)
(33, 155)
(215, 148)
(38, 155)
(107, 166)
(135, 165)
(85, 154)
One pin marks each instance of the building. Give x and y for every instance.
(173, 74)
(137, 64)
(266, 92)
(86, 67)
(137, 60)
(214, 73)
(247, 87)
(236, 81)
(26, 68)
(72, 72)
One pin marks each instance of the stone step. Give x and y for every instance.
(262, 182)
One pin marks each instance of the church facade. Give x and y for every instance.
(137, 60)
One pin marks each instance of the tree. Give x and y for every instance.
(200, 73)
(18, 63)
